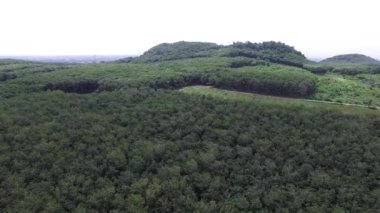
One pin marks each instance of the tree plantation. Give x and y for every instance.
(134, 136)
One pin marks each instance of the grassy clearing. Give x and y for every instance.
(281, 101)
(347, 89)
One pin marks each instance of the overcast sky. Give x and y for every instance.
(318, 28)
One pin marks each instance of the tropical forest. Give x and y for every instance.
(192, 127)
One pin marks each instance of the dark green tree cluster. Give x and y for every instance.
(344, 69)
(271, 83)
(320, 70)
(275, 52)
(80, 87)
(262, 79)
(267, 57)
(7, 76)
(363, 69)
(269, 45)
(245, 62)
(178, 50)
(163, 151)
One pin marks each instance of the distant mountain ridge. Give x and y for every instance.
(78, 59)
(350, 59)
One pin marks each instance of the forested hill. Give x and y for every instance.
(271, 51)
(275, 52)
(350, 59)
(178, 50)
(139, 137)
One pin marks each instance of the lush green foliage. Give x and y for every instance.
(178, 50)
(371, 80)
(234, 73)
(165, 151)
(354, 70)
(17, 76)
(344, 69)
(274, 80)
(26, 67)
(275, 52)
(284, 102)
(318, 68)
(347, 90)
(117, 137)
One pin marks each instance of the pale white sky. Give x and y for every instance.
(318, 28)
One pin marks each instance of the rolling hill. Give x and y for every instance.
(274, 52)
(350, 59)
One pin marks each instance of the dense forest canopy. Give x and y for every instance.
(276, 52)
(266, 46)
(178, 50)
(267, 131)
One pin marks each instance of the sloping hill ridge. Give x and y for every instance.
(275, 52)
(350, 59)
(178, 50)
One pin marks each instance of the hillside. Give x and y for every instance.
(275, 52)
(189, 127)
(350, 59)
(178, 50)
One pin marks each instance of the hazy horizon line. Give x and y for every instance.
(14, 56)
(318, 56)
